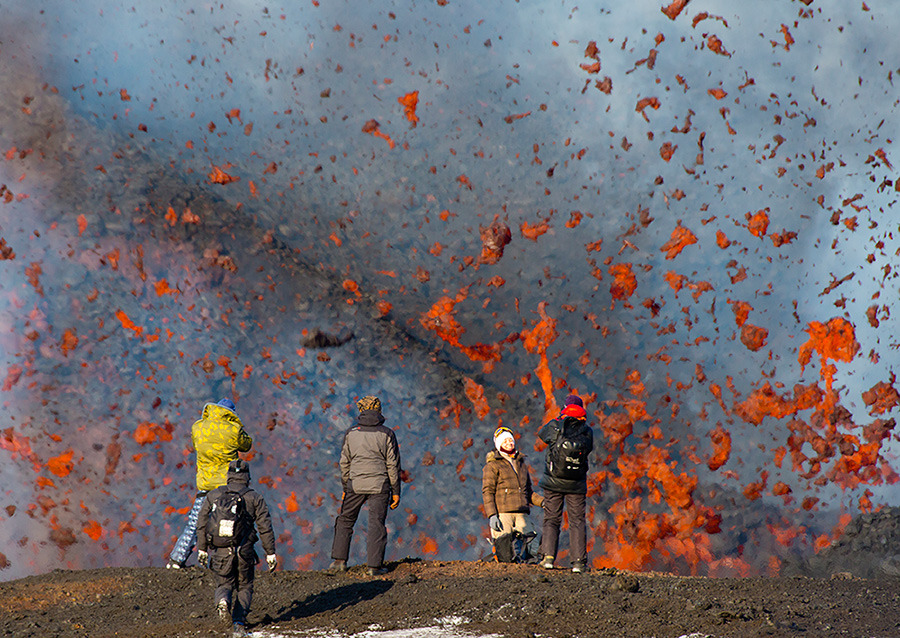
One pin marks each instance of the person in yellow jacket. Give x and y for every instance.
(217, 437)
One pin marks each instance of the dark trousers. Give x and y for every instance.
(234, 570)
(376, 540)
(553, 508)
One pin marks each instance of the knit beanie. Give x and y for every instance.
(227, 403)
(574, 398)
(369, 403)
(501, 435)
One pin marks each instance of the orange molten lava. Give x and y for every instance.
(538, 339)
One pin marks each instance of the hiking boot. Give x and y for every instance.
(222, 610)
(547, 563)
(173, 565)
(377, 571)
(337, 566)
(239, 631)
(579, 567)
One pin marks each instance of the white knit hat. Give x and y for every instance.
(501, 435)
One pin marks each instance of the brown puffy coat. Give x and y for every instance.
(504, 488)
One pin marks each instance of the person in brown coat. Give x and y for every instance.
(506, 487)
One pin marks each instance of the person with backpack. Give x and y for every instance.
(570, 441)
(229, 520)
(217, 437)
(370, 473)
(507, 496)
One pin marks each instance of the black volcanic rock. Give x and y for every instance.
(868, 548)
(453, 596)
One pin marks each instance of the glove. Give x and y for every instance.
(203, 558)
(272, 562)
(494, 522)
(395, 501)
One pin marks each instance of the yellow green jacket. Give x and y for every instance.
(217, 437)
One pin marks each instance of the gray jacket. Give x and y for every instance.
(370, 457)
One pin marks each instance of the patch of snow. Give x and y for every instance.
(447, 627)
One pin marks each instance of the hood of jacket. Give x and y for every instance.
(212, 411)
(574, 410)
(370, 417)
(237, 481)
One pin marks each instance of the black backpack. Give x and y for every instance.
(513, 547)
(229, 521)
(568, 456)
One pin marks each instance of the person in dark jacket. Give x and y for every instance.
(370, 473)
(570, 440)
(234, 567)
(506, 487)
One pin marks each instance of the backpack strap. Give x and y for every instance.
(559, 431)
(248, 522)
(551, 448)
(241, 492)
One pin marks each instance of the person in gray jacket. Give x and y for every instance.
(370, 473)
